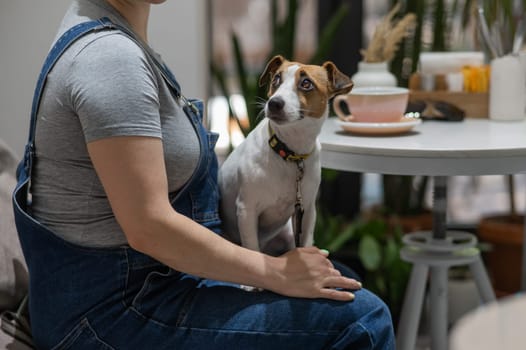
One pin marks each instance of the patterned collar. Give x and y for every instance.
(282, 149)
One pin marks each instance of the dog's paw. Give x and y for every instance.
(250, 288)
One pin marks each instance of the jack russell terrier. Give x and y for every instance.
(269, 181)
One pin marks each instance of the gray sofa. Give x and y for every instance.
(13, 271)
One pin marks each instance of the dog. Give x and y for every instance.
(269, 183)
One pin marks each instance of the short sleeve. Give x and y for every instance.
(114, 90)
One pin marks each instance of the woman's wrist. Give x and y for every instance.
(272, 276)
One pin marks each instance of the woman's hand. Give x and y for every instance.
(308, 273)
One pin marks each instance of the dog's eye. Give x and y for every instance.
(276, 81)
(306, 84)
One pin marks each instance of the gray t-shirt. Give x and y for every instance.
(103, 86)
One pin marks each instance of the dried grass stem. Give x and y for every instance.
(388, 36)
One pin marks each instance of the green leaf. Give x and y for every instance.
(369, 251)
(375, 228)
(219, 75)
(439, 30)
(381, 287)
(326, 229)
(274, 18)
(341, 238)
(391, 252)
(241, 73)
(329, 174)
(284, 33)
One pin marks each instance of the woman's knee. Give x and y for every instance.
(375, 319)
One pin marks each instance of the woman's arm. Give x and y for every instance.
(132, 171)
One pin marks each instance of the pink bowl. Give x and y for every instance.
(373, 104)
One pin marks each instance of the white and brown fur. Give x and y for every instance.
(258, 187)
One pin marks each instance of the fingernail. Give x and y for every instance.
(359, 284)
(324, 252)
(351, 296)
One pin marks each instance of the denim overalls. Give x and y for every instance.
(198, 199)
(117, 298)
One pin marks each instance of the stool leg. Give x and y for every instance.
(482, 280)
(438, 301)
(412, 308)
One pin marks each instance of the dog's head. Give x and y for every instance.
(298, 90)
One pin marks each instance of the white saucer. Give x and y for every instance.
(405, 124)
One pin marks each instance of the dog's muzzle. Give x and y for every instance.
(276, 111)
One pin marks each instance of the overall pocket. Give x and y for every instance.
(82, 337)
(165, 297)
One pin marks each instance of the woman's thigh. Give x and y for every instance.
(218, 315)
(264, 320)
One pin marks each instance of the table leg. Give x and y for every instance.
(438, 300)
(439, 274)
(439, 207)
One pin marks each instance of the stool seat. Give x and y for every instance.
(432, 257)
(458, 248)
(454, 240)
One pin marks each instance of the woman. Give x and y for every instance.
(128, 255)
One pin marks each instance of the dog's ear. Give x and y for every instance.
(339, 83)
(273, 65)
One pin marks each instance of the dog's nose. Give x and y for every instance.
(276, 104)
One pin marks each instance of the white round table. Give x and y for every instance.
(470, 147)
(498, 325)
(438, 149)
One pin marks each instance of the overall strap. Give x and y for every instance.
(58, 49)
(62, 44)
(68, 38)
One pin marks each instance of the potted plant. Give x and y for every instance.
(504, 232)
(370, 245)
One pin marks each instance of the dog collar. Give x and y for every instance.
(281, 148)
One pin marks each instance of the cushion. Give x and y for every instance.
(13, 271)
(8, 342)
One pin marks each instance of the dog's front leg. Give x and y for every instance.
(307, 226)
(247, 222)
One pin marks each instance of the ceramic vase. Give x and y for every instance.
(373, 74)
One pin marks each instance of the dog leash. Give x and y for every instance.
(288, 155)
(298, 205)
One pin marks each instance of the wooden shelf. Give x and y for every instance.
(475, 104)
